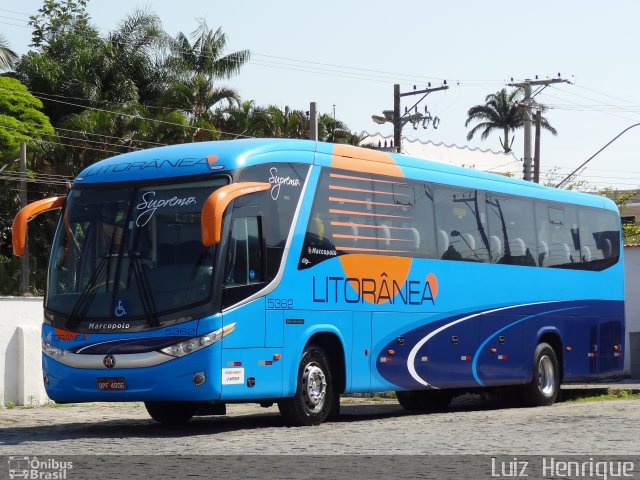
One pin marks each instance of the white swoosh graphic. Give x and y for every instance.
(414, 350)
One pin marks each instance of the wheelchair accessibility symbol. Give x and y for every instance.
(121, 308)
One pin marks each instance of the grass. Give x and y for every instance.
(52, 404)
(611, 395)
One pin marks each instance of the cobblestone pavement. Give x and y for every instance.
(365, 428)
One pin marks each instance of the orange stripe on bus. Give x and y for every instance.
(364, 179)
(362, 202)
(363, 225)
(360, 237)
(366, 160)
(364, 214)
(363, 190)
(355, 249)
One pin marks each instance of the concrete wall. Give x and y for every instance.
(21, 318)
(20, 351)
(632, 299)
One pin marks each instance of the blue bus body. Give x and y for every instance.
(354, 273)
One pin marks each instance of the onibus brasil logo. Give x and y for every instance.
(35, 468)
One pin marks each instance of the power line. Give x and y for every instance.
(15, 11)
(75, 138)
(164, 122)
(310, 66)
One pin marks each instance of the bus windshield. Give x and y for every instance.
(131, 255)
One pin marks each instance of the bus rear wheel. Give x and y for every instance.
(171, 413)
(545, 383)
(315, 397)
(424, 400)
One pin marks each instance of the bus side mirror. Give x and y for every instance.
(217, 203)
(19, 227)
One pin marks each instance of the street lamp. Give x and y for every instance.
(565, 179)
(398, 121)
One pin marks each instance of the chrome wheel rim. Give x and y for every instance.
(546, 376)
(314, 387)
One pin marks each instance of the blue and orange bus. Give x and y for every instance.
(291, 271)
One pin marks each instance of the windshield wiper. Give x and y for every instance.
(145, 291)
(84, 301)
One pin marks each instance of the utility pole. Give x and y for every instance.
(527, 104)
(398, 120)
(397, 126)
(313, 122)
(24, 260)
(536, 154)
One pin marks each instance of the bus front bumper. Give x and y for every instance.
(193, 377)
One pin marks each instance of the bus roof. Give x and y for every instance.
(219, 156)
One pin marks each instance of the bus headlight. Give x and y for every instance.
(51, 351)
(194, 344)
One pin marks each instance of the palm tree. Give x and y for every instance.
(244, 120)
(501, 112)
(131, 68)
(204, 56)
(7, 56)
(196, 67)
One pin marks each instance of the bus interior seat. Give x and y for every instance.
(560, 254)
(543, 252)
(495, 245)
(586, 254)
(443, 241)
(353, 232)
(415, 235)
(469, 241)
(607, 249)
(517, 247)
(385, 235)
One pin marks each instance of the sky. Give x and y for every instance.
(346, 55)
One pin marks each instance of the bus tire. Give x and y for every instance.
(407, 400)
(544, 387)
(315, 399)
(171, 413)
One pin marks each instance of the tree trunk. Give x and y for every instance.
(506, 146)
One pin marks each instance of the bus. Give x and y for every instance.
(291, 272)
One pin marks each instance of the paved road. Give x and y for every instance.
(364, 428)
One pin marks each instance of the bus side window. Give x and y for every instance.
(512, 235)
(460, 219)
(599, 238)
(558, 235)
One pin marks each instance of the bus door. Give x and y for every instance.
(244, 275)
(610, 347)
(249, 370)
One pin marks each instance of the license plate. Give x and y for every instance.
(112, 383)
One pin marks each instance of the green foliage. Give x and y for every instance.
(7, 56)
(501, 112)
(20, 117)
(55, 18)
(135, 88)
(612, 394)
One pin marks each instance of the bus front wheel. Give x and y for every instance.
(171, 413)
(315, 398)
(545, 383)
